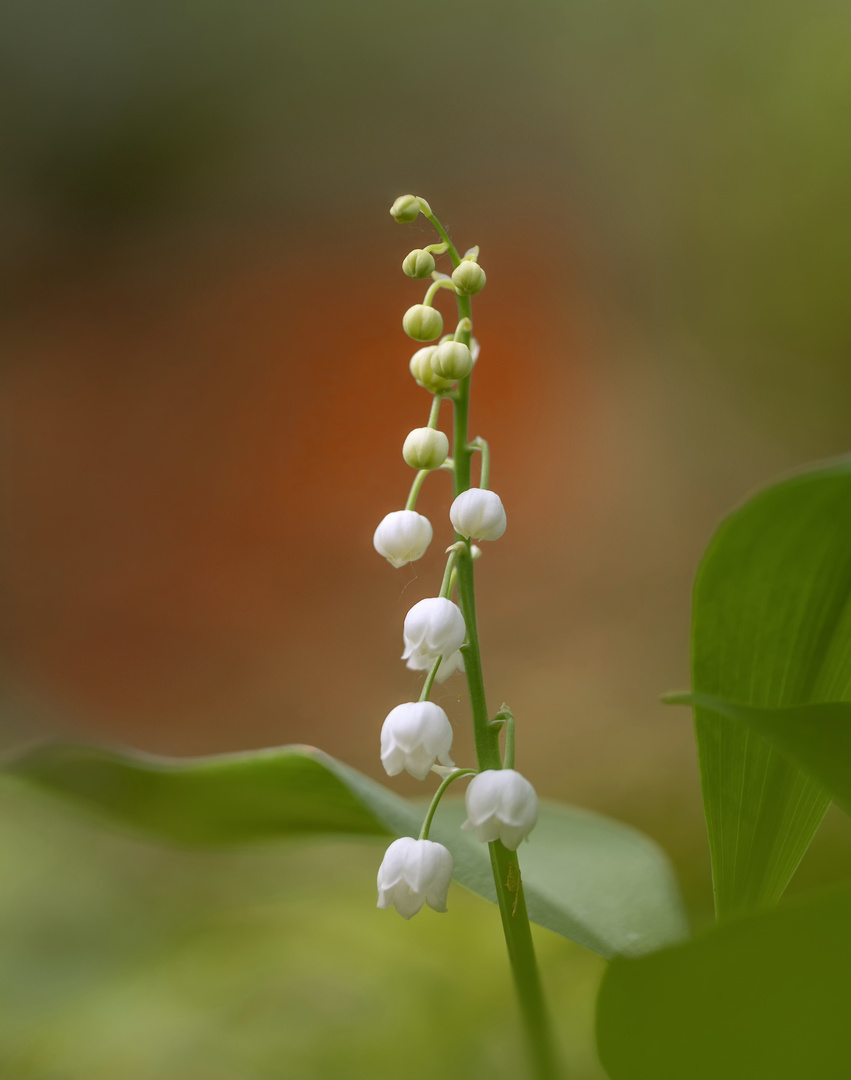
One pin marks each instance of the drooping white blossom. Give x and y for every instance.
(413, 737)
(501, 805)
(478, 514)
(433, 627)
(413, 873)
(448, 665)
(402, 537)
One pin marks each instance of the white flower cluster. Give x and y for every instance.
(416, 736)
(403, 536)
(501, 805)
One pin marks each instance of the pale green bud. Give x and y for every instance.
(468, 278)
(418, 263)
(425, 448)
(452, 360)
(421, 369)
(405, 208)
(422, 323)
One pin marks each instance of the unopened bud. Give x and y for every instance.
(478, 514)
(418, 263)
(405, 208)
(452, 360)
(421, 369)
(425, 448)
(468, 278)
(422, 323)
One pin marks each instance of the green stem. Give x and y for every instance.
(438, 795)
(506, 716)
(521, 952)
(445, 586)
(480, 444)
(506, 870)
(432, 290)
(419, 479)
(429, 683)
(435, 412)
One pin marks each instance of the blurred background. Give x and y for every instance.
(204, 396)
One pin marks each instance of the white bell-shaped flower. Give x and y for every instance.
(448, 664)
(413, 737)
(501, 805)
(433, 627)
(413, 873)
(478, 514)
(402, 537)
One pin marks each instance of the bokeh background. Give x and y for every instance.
(204, 395)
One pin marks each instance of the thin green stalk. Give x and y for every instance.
(506, 716)
(419, 480)
(506, 870)
(445, 586)
(438, 795)
(427, 685)
(481, 445)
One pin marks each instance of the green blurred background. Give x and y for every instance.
(204, 394)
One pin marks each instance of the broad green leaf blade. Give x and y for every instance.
(765, 997)
(771, 627)
(817, 737)
(590, 879)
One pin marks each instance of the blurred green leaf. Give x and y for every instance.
(771, 627)
(765, 996)
(590, 879)
(817, 737)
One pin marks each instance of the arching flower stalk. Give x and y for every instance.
(441, 636)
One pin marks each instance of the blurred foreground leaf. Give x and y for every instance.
(590, 879)
(771, 627)
(817, 737)
(766, 996)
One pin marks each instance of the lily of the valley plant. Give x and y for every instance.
(440, 633)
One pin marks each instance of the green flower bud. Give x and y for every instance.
(425, 448)
(468, 278)
(418, 263)
(452, 360)
(422, 323)
(405, 208)
(421, 369)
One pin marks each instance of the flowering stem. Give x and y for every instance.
(506, 870)
(438, 795)
(415, 488)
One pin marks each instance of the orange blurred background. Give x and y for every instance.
(205, 388)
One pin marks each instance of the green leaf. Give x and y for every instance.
(771, 627)
(765, 996)
(590, 879)
(817, 737)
